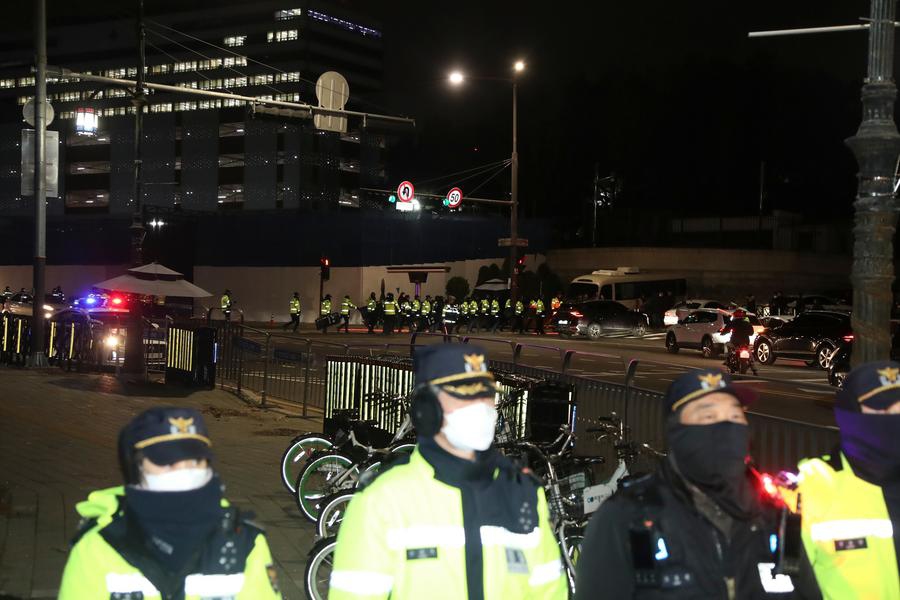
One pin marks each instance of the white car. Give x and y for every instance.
(701, 330)
(684, 308)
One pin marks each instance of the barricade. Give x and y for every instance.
(191, 355)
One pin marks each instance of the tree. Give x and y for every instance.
(458, 287)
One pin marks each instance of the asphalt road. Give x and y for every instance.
(787, 389)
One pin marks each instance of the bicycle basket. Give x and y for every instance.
(566, 498)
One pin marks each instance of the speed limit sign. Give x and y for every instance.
(454, 197)
(406, 192)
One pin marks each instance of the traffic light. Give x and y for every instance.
(520, 265)
(325, 266)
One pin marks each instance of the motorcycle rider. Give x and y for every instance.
(741, 332)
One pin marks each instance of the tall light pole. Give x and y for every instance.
(457, 78)
(38, 358)
(876, 146)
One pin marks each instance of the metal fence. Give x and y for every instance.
(330, 375)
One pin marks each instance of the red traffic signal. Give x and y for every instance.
(325, 268)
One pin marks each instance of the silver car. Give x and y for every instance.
(701, 330)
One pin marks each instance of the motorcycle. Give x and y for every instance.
(740, 359)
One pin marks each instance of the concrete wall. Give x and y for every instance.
(717, 273)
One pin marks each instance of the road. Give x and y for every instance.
(787, 389)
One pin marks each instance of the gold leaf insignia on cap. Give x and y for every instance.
(182, 425)
(475, 363)
(889, 375)
(467, 390)
(711, 381)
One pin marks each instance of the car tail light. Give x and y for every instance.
(745, 353)
(575, 313)
(759, 328)
(722, 331)
(848, 338)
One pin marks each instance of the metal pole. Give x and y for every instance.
(514, 207)
(134, 351)
(38, 358)
(876, 146)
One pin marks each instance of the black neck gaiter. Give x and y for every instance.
(871, 442)
(176, 523)
(712, 458)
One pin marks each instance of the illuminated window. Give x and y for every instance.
(161, 69)
(232, 82)
(235, 61)
(288, 97)
(182, 67)
(288, 13)
(261, 79)
(117, 73)
(181, 106)
(292, 76)
(7, 83)
(214, 63)
(230, 102)
(116, 93)
(23, 99)
(158, 108)
(188, 84)
(26, 81)
(285, 35)
(235, 40)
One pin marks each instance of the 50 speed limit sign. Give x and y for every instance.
(454, 197)
(406, 191)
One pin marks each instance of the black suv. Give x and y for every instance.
(597, 317)
(812, 336)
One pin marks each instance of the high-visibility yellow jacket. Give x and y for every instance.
(95, 568)
(847, 532)
(473, 307)
(295, 306)
(325, 308)
(408, 536)
(495, 307)
(426, 307)
(390, 308)
(225, 302)
(346, 306)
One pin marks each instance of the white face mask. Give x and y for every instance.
(179, 480)
(471, 427)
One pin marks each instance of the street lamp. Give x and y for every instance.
(457, 78)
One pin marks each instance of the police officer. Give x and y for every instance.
(697, 527)
(455, 519)
(346, 306)
(405, 312)
(325, 310)
(495, 314)
(390, 314)
(519, 323)
(437, 309)
(555, 303)
(416, 305)
(371, 313)
(463, 315)
(425, 314)
(473, 316)
(295, 312)
(449, 316)
(539, 316)
(850, 500)
(485, 313)
(224, 303)
(168, 532)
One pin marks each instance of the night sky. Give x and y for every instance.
(670, 96)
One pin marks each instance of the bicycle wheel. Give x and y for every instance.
(573, 553)
(298, 452)
(324, 474)
(332, 513)
(319, 563)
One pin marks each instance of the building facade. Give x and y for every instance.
(204, 154)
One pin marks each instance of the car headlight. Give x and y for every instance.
(48, 315)
(111, 341)
(48, 307)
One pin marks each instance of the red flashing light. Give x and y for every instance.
(769, 485)
(116, 300)
(325, 262)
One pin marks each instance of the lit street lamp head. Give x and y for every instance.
(456, 78)
(519, 66)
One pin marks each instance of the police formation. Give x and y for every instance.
(457, 519)
(448, 315)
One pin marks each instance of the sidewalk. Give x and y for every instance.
(58, 443)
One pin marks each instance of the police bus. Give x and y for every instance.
(625, 284)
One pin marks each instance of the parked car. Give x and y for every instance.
(594, 318)
(685, 307)
(702, 330)
(840, 359)
(22, 303)
(812, 336)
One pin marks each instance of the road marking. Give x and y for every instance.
(818, 392)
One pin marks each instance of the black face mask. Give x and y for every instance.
(712, 457)
(872, 445)
(176, 523)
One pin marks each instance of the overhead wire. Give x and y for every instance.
(483, 183)
(487, 166)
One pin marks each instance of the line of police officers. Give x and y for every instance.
(456, 519)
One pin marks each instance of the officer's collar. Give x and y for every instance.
(456, 471)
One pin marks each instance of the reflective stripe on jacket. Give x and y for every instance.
(326, 308)
(295, 306)
(346, 306)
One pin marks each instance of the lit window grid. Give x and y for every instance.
(288, 13)
(349, 26)
(285, 35)
(233, 41)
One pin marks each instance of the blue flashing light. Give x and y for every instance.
(663, 552)
(773, 543)
(91, 300)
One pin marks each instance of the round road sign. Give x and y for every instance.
(406, 191)
(454, 197)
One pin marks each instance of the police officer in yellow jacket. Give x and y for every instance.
(850, 501)
(168, 533)
(457, 520)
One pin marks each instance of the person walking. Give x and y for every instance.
(295, 312)
(371, 313)
(473, 316)
(539, 316)
(390, 314)
(454, 519)
(225, 304)
(849, 500)
(696, 527)
(346, 306)
(167, 532)
(325, 311)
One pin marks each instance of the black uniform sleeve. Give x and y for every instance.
(605, 567)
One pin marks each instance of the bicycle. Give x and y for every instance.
(330, 471)
(319, 564)
(302, 447)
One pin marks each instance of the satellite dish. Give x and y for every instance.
(28, 112)
(333, 92)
